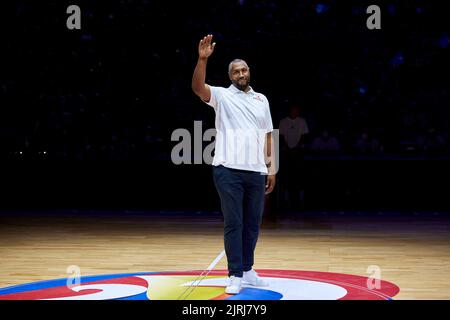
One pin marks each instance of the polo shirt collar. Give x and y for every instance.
(236, 90)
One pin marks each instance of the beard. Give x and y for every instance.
(242, 84)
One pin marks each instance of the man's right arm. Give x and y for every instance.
(200, 88)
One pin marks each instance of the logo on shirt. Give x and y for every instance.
(258, 97)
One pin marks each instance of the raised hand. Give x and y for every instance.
(205, 48)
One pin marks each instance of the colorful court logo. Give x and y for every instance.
(284, 285)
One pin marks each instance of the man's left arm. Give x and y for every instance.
(269, 153)
(270, 161)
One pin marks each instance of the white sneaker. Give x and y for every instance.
(252, 278)
(234, 285)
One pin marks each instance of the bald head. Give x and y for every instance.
(236, 61)
(239, 73)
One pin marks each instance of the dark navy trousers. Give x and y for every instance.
(241, 194)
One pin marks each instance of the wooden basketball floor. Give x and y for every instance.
(411, 250)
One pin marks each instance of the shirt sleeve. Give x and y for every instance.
(216, 94)
(269, 125)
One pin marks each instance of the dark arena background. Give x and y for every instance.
(90, 193)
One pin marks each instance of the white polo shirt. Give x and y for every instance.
(242, 122)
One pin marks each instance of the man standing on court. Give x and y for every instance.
(243, 166)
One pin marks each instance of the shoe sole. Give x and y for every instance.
(233, 293)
